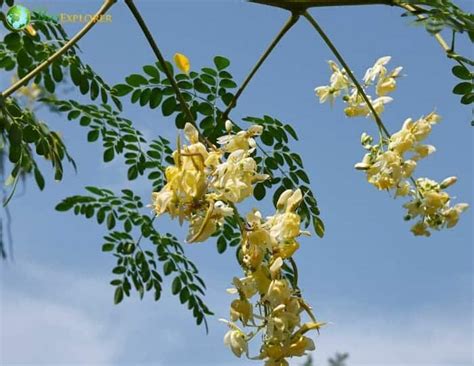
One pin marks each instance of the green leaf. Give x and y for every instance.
(221, 245)
(136, 95)
(95, 190)
(57, 72)
(119, 270)
(226, 83)
(462, 88)
(221, 62)
(468, 98)
(271, 163)
(156, 97)
(259, 191)
(39, 179)
(110, 221)
(85, 121)
(76, 75)
(122, 89)
(462, 72)
(152, 71)
(73, 115)
(107, 247)
(318, 226)
(136, 80)
(109, 154)
(15, 134)
(205, 109)
(168, 106)
(291, 131)
(30, 134)
(118, 297)
(184, 295)
(63, 206)
(145, 97)
(93, 135)
(176, 286)
(267, 138)
(304, 177)
(168, 267)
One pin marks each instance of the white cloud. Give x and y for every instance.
(36, 331)
(45, 319)
(60, 317)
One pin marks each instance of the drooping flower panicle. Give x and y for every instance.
(390, 164)
(278, 307)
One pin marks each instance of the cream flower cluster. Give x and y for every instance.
(378, 76)
(430, 204)
(276, 311)
(390, 164)
(204, 183)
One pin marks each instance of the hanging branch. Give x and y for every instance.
(24, 80)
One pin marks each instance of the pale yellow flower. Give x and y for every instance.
(236, 340)
(243, 140)
(387, 83)
(241, 309)
(375, 71)
(420, 229)
(278, 292)
(234, 179)
(452, 215)
(338, 82)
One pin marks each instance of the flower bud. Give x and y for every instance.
(228, 125)
(366, 139)
(448, 182)
(255, 130)
(362, 166)
(182, 62)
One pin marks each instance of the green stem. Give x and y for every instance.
(294, 267)
(341, 60)
(286, 27)
(24, 80)
(161, 59)
(238, 218)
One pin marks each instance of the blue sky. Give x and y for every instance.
(390, 298)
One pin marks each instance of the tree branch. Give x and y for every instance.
(24, 80)
(302, 5)
(286, 27)
(161, 59)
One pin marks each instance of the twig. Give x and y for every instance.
(24, 80)
(160, 57)
(286, 27)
